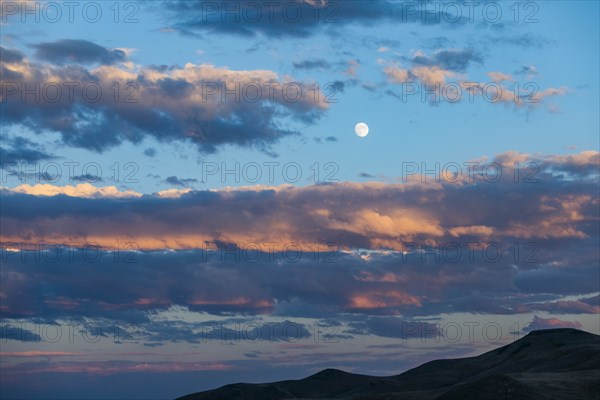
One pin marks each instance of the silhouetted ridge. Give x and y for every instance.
(552, 364)
(330, 373)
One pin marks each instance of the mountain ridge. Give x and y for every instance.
(542, 365)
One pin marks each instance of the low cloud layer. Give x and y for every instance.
(545, 204)
(413, 248)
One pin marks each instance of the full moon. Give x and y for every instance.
(361, 129)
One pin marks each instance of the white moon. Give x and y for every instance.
(361, 129)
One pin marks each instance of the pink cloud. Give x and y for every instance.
(549, 323)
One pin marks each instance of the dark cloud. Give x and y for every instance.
(339, 86)
(18, 333)
(175, 87)
(295, 18)
(186, 104)
(10, 56)
(175, 181)
(22, 155)
(224, 331)
(77, 51)
(451, 60)
(560, 280)
(565, 307)
(210, 270)
(593, 301)
(327, 139)
(312, 64)
(84, 290)
(150, 152)
(527, 70)
(88, 178)
(22, 150)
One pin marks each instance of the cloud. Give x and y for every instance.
(77, 51)
(296, 18)
(583, 162)
(173, 193)
(186, 104)
(18, 333)
(529, 70)
(381, 300)
(593, 301)
(11, 56)
(312, 64)
(448, 59)
(431, 75)
(442, 74)
(550, 323)
(88, 178)
(567, 307)
(82, 190)
(377, 216)
(150, 152)
(559, 280)
(22, 150)
(353, 66)
(411, 249)
(231, 330)
(475, 230)
(499, 76)
(397, 75)
(175, 181)
(236, 281)
(433, 69)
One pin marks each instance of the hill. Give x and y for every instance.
(545, 364)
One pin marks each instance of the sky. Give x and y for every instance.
(185, 202)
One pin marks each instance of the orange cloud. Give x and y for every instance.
(382, 299)
(84, 190)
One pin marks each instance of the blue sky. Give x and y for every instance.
(164, 275)
(563, 55)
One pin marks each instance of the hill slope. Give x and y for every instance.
(546, 364)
